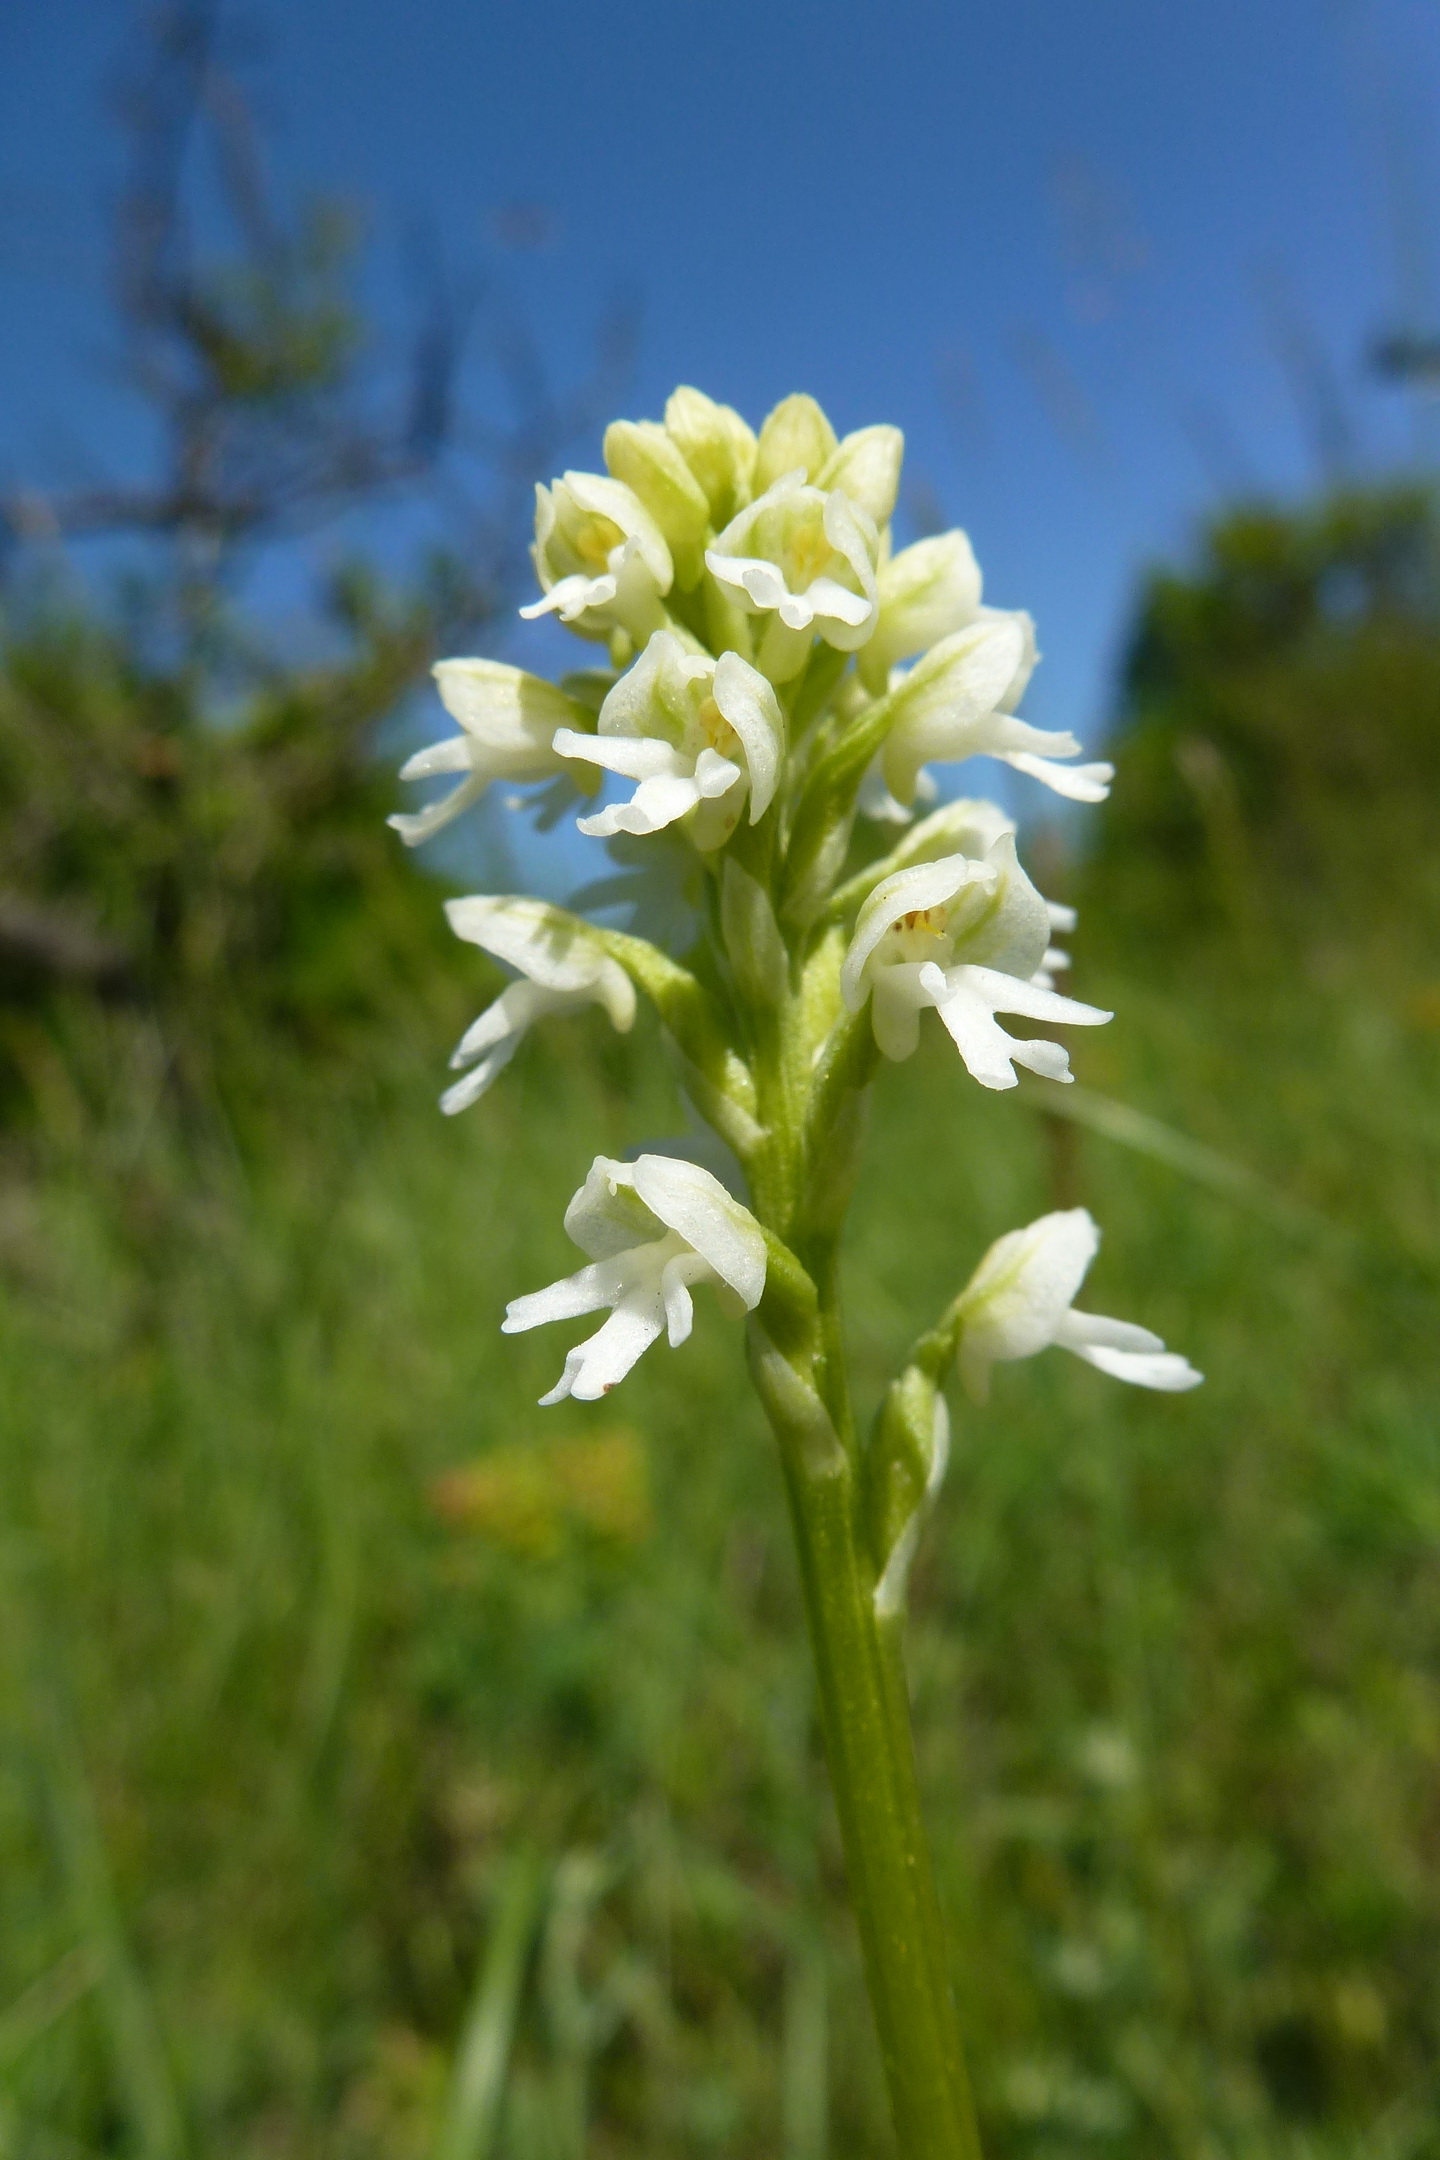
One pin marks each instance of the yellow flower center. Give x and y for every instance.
(810, 550)
(593, 537)
(718, 731)
(922, 934)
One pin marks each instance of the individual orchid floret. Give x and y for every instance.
(1020, 1300)
(927, 592)
(956, 703)
(806, 559)
(508, 720)
(698, 735)
(718, 447)
(601, 558)
(563, 965)
(963, 935)
(652, 1229)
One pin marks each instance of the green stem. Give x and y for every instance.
(872, 1764)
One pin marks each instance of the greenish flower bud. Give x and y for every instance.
(717, 446)
(909, 1450)
(642, 454)
(866, 467)
(797, 437)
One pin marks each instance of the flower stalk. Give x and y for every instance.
(758, 709)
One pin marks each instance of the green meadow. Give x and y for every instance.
(392, 1770)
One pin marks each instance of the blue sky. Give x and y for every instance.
(1054, 241)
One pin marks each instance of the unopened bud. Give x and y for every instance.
(866, 467)
(642, 454)
(797, 437)
(717, 446)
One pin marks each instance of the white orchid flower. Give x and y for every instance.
(563, 965)
(508, 720)
(601, 558)
(698, 735)
(965, 935)
(1020, 1300)
(652, 1228)
(806, 558)
(956, 703)
(926, 592)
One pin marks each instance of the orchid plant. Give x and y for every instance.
(776, 674)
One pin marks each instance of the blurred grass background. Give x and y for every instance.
(392, 1771)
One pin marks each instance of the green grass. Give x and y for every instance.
(309, 1789)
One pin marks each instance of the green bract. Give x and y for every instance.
(780, 677)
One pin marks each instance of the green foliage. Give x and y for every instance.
(1281, 718)
(225, 877)
(363, 1795)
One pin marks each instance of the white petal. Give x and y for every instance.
(599, 1363)
(1062, 918)
(516, 1009)
(478, 1079)
(926, 592)
(1079, 783)
(1164, 1370)
(1005, 994)
(988, 1052)
(898, 999)
(684, 1269)
(571, 597)
(968, 999)
(715, 775)
(828, 601)
(693, 1202)
(607, 1216)
(654, 805)
(760, 582)
(545, 943)
(418, 825)
(633, 757)
(590, 1289)
(750, 705)
(454, 754)
(1096, 1331)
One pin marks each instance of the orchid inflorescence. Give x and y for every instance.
(779, 685)
(757, 625)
